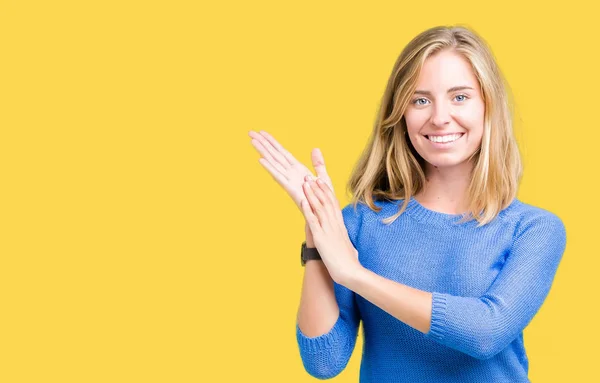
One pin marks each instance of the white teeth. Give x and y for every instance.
(448, 138)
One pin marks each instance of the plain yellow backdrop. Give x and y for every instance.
(142, 241)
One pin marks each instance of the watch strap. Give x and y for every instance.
(308, 253)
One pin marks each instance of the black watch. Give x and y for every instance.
(308, 253)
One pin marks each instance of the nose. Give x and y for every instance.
(441, 114)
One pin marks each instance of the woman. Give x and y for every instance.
(435, 254)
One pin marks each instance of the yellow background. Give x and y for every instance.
(142, 241)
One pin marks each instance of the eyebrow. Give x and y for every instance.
(453, 89)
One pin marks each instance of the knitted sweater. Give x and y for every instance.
(487, 284)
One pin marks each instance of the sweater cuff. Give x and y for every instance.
(323, 341)
(438, 317)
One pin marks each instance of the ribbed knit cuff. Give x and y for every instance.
(438, 316)
(323, 341)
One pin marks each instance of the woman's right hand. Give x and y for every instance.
(288, 172)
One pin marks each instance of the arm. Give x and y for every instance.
(328, 318)
(479, 326)
(318, 309)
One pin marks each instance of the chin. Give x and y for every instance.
(449, 163)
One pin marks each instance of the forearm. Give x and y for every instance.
(407, 304)
(478, 326)
(318, 310)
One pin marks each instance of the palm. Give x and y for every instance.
(288, 172)
(295, 178)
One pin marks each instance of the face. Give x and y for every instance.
(447, 107)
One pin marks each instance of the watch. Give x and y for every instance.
(308, 253)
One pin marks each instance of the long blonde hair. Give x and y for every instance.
(390, 168)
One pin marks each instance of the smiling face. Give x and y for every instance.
(447, 107)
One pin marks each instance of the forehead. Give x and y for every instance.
(445, 70)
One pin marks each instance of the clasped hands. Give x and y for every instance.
(317, 202)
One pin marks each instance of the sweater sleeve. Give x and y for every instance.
(326, 355)
(483, 326)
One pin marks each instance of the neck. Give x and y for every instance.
(445, 189)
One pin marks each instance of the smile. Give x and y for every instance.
(444, 141)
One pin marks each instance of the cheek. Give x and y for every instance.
(471, 118)
(415, 119)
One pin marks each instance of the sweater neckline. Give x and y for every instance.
(420, 212)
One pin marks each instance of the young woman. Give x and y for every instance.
(435, 254)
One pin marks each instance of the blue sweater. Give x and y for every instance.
(487, 284)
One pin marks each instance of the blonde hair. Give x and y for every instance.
(390, 168)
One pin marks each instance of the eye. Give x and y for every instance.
(416, 101)
(461, 95)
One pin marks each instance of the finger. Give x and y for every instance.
(259, 143)
(274, 148)
(328, 193)
(319, 165)
(319, 188)
(320, 194)
(311, 219)
(334, 204)
(287, 155)
(314, 202)
(273, 162)
(325, 212)
(280, 178)
(267, 150)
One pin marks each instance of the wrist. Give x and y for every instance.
(309, 238)
(352, 276)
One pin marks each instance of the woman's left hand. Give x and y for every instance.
(324, 216)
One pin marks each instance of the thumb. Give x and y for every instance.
(319, 165)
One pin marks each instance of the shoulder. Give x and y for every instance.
(528, 218)
(353, 214)
(525, 213)
(362, 211)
